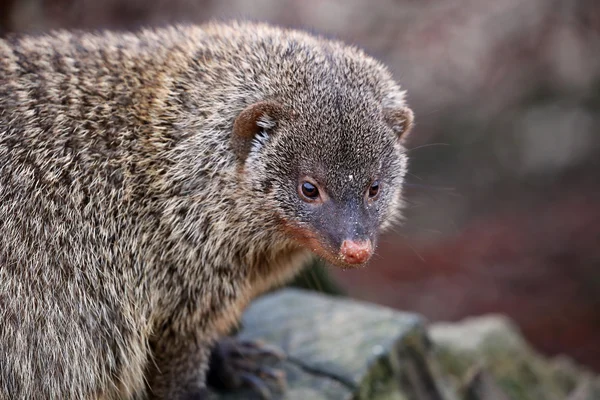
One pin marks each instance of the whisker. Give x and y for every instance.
(406, 243)
(414, 176)
(447, 189)
(426, 145)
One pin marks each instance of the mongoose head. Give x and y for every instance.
(325, 155)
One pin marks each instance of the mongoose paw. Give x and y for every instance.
(237, 364)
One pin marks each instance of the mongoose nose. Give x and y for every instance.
(356, 252)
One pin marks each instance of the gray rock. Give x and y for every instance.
(343, 349)
(486, 358)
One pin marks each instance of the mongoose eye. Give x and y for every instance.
(374, 189)
(309, 190)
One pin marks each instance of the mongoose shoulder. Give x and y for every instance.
(152, 183)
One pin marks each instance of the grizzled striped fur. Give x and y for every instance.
(135, 226)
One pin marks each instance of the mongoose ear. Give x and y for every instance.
(253, 125)
(400, 120)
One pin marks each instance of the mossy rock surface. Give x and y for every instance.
(490, 352)
(343, 349)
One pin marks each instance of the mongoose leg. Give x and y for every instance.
(235, 364)
(179, 369)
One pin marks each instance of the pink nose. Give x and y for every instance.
(356, 252)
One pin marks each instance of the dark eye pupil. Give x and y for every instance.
(310, 190)
(374, 189)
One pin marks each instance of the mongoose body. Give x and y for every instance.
(152, 183)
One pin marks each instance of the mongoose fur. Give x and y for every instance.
(153, 183)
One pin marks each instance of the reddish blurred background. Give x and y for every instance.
(504, 191)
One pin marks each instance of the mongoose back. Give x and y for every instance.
(152, 183)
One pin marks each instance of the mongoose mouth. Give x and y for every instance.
(351, 254)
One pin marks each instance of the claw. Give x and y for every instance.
(262, 371)
(259, 350)
(256, 384)
(276, 375)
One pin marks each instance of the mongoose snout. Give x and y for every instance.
(356, 252)
(346, 227)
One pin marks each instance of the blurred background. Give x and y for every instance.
(504, 185)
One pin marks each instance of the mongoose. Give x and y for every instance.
(153, 182)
